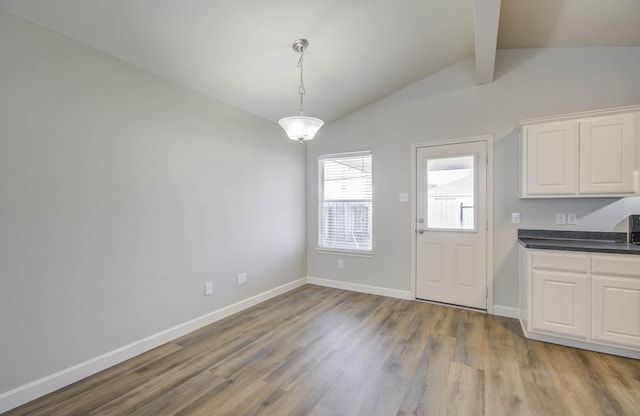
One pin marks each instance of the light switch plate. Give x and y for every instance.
(572, 219)
(242, 278)
(515, 218)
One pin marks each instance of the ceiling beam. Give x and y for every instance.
(486, 19)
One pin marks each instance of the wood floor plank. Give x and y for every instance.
(345, 392)
(471, 340)
(155, 387)
(382, 394)
(623, 381)
(464, 395)
(588, 394)
(427, 387)
(504, 392)
(249, 398)
(89, 398)
(445, 320)
(303, 395)
(85, 390)
(329, 352)
(410, 340)
(542, 393)
(177, 399)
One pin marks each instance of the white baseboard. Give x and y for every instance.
(506, 311)
(356, 287)
(38, 388)
(499, 310)
(574, 343)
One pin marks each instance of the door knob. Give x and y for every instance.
(420, 231)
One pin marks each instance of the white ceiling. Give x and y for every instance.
(239, 51)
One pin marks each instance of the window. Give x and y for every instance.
(345, 202)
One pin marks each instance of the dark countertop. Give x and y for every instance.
(594, 242)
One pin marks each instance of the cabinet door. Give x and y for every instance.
(607, 154)
(615, 313)
(551, 158)
(560, 302)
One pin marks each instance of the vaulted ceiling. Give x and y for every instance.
(239, 51)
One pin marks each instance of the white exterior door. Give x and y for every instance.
(451, 239)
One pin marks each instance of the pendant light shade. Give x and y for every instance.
(301, 127)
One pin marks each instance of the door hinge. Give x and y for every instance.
(486, 225)
(486, 159)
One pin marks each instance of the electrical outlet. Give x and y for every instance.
(208, 289)
(242, 278)
(572, 219)
(515, 218)
(340, 264)
(561, 218)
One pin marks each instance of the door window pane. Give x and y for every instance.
(450, 192)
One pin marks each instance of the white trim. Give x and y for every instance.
(584, 114)
(489, 208)
(45, 385)
(450, 305)
(506, 311)
(345, 154)
(348, 253)
(584, 345)
(357, 287)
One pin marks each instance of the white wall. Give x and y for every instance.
(120, 195)
(448, 105)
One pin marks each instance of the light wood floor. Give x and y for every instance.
(321, 351)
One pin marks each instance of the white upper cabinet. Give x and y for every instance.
(586, 155)
(607, 154)
(552, 158)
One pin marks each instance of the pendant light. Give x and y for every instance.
(301, 127)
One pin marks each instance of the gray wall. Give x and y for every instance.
(448, 105)
(120, 195)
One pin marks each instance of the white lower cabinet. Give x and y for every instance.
(615, 299)
(560, 302)
(615, 305)
(590, 300)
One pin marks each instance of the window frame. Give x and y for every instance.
(333, 250)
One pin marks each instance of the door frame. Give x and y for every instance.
(488, 139)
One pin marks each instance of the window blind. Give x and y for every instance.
(346, 209)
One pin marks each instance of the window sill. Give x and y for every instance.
(336, 251)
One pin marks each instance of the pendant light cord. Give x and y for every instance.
(301, 90)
